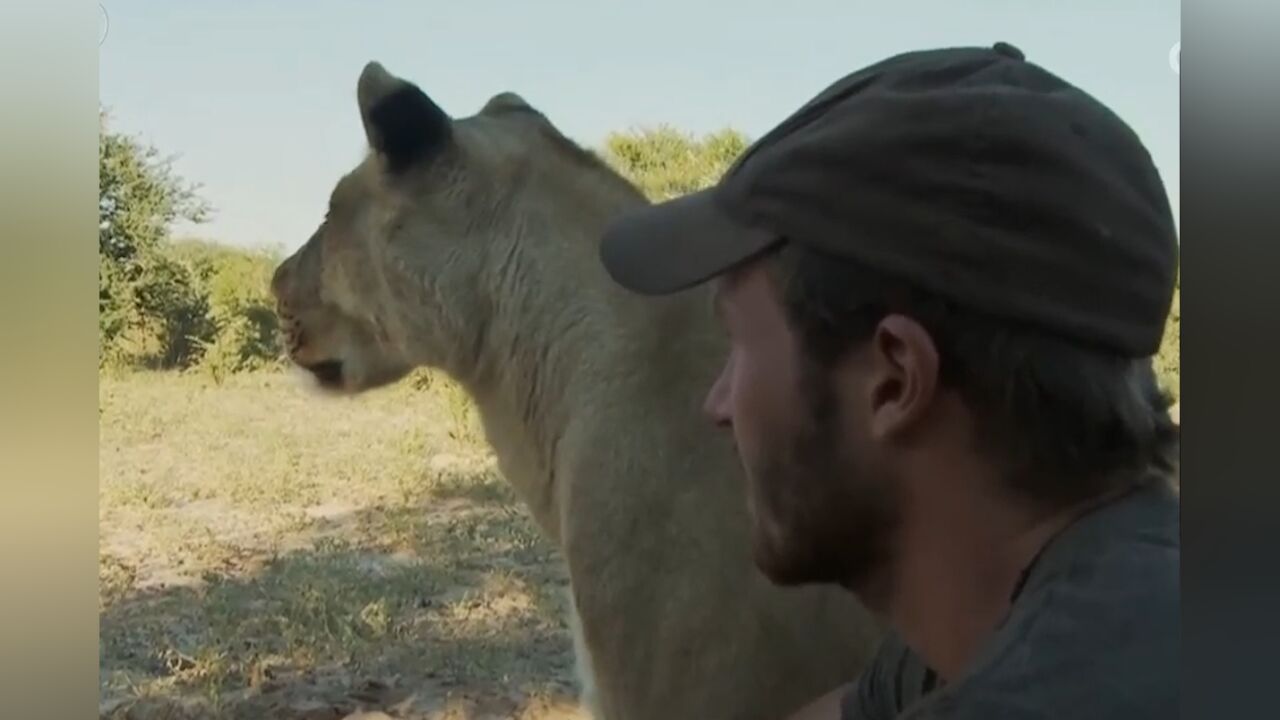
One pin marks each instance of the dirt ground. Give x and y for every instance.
(268, 553)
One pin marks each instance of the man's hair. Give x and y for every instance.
(1066, 422)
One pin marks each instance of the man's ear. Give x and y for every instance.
(403, 125)
(904, 376)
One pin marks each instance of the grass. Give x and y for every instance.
(266, 553)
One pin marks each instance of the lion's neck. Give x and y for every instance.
(524, 390)
(544, 356)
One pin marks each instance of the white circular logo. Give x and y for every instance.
(104, 22)
(1175, 58)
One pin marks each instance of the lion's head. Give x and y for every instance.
(404, 270)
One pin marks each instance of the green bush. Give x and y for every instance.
(665, 163)
(191, 304)
(165, 304)
(237, 284)
(173, 310)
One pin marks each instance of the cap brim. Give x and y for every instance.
(674, 245)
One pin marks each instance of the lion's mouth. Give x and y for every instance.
(327, 372)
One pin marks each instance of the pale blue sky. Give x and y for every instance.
(257, 99)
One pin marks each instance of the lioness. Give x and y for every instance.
(471, 245)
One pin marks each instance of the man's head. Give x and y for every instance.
(950, 255)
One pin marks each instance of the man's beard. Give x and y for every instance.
(823, 514)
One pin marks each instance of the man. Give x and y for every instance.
(943, 280)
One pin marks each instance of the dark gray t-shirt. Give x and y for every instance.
(1093, 632)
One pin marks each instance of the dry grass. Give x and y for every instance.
(267, 553)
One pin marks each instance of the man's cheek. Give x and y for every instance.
(753, 415)
(758, 390)
(741, 396)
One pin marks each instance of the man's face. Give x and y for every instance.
(820, 496)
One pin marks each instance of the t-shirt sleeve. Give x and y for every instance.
(894, 680)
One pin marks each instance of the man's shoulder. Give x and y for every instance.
(896, 678)
(1095, 633)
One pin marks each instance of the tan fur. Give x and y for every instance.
(483, 263)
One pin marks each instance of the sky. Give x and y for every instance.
(256, 100)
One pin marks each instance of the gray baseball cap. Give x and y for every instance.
(970, 172)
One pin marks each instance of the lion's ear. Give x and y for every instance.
(403, 125)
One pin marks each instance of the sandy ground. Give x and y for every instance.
(266, 553)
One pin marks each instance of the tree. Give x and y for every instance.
(140, 289)
(139, 196)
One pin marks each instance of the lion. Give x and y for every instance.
(470, 246)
